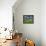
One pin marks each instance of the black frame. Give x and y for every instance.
(28, 19)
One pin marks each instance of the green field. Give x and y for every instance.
(27, 21)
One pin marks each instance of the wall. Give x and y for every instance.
(6, 18)
(43, 22)
(30, 31)
(6, 13)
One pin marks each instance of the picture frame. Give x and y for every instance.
(28, 19)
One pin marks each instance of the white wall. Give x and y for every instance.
(43, 22)
(26, 29)
(6, 13)
(31, 31)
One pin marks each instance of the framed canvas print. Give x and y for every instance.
(28, 19)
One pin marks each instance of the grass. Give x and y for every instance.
(27, 21)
